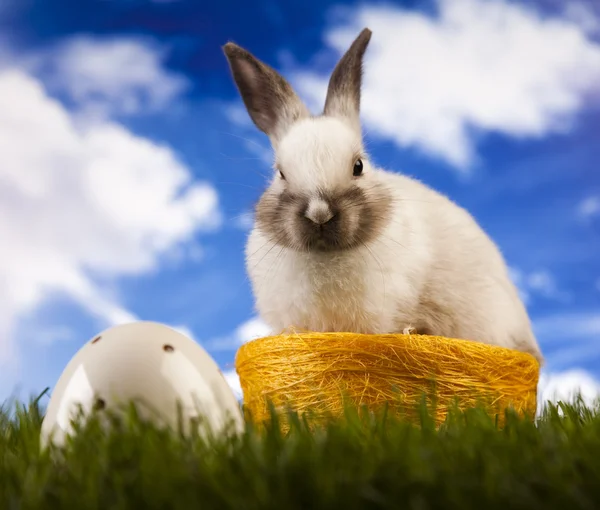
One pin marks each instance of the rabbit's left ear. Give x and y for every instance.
(343, 93)
(270, 100)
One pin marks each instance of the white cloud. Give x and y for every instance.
(184, 330)
(237, 114)
(568, 386)
(583, 15)
(77, 201)
(108, 76)
(48, 336)
(487, 66)
(575, 324)
(518, 279)
(249, 330)
(252, 329)
(589, 207)
(234, 383)
(262, 152)
(244, 221)
(569, 338)
(539, 283)
(543, 283)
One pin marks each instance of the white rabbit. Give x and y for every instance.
(341, 245)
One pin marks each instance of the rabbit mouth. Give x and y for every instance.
(327, 236)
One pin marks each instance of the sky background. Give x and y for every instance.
(130, 169)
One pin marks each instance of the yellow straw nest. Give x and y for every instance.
(323, 372)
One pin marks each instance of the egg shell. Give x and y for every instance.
(145, 362)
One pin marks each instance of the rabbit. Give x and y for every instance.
(341, 245)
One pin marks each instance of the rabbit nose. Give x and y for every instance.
(318, 211)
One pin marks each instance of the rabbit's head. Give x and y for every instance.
(324, 195)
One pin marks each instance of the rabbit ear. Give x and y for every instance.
(343, 93)
(270, 100)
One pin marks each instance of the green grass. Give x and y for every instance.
(361, 462)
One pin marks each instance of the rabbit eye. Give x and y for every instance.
(358, 168)
(281, 174)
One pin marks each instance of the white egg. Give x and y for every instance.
(145, 362)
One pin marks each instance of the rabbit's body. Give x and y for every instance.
(432, 268)
(340, 245)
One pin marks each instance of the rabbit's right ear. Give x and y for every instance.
(270, 100)
(343, 92)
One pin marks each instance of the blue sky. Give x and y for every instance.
(130, 168)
